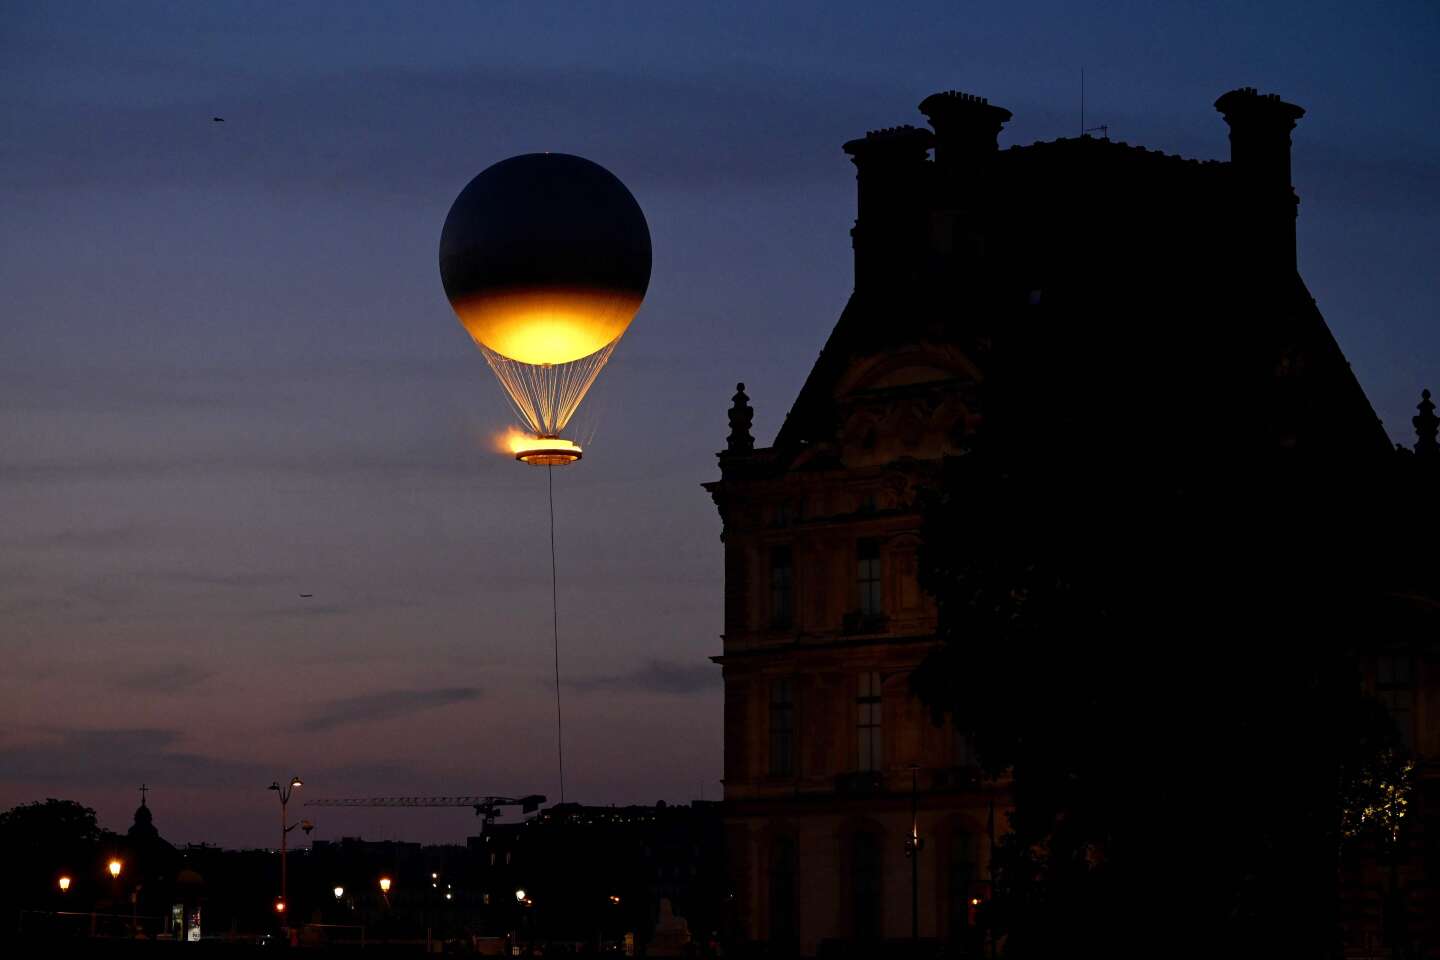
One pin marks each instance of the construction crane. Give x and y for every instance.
(486, 807)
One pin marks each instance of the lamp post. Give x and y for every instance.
(64, 884)
(285, 828)
(913, 846)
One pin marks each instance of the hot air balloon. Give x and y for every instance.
(545, 258)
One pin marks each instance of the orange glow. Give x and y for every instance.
(114, 868)
(543, 451)
(384, 884)
(513, 440)
(279, 906)
(64, 884)
(547, 326)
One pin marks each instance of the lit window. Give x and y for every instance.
(867, 705)
(782, 587)
(782, 728)
(867, 576)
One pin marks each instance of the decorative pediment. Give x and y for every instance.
(916, 366)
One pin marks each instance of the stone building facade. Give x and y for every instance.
(1134, 297)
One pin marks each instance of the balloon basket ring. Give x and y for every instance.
(547, 451)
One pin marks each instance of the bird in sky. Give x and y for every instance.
(306, 596)
(217, 119)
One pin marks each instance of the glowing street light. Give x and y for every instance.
(284, 794)
(339, 892)
(114, 869)
(520, 896)
(384, 884)
(64, 884)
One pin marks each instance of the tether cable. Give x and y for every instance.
(555, 627)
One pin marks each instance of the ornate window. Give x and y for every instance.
(867, 576)
(782, 728)
(867, 724)
(782, 587)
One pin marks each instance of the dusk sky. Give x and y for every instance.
(229, 374)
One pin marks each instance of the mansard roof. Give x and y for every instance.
(1128, 272)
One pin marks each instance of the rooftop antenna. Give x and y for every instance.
(1103, 128)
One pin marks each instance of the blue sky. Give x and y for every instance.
(228, 373)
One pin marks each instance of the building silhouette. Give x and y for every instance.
(1100, 296)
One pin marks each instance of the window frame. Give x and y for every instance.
(869, 722)
(869, 577)
(780, 761)
(782, 588)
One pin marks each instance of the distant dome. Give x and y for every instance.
(545, 258)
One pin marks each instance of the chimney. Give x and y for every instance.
(1260, 126)
(967, 132)
(891, 174)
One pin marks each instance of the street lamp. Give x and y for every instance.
(385, 885)
(520, 896)
(114, 869)
(284, 794)
(339, 892)
(64, 884)
(913, 845)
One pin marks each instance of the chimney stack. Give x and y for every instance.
(1260, 126)
(967, 132)
(892, 176)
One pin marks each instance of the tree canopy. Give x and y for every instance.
(1160, 648)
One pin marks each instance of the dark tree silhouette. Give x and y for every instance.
(1162, 651)
(46, 839)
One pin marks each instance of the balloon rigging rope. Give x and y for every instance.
(555, 626)
(545, 397)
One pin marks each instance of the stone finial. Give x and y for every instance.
(740, 441)
(1426, 426)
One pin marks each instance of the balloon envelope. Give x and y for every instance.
(545, 258)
